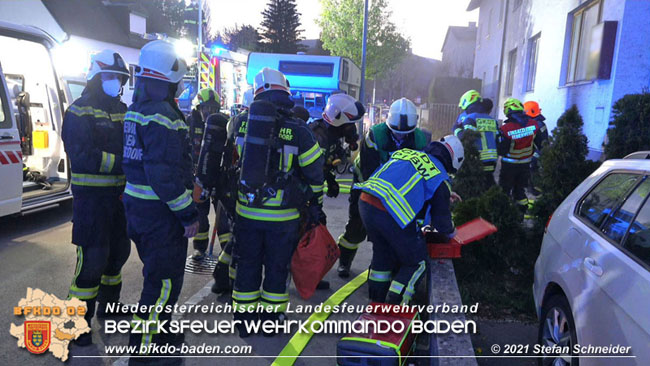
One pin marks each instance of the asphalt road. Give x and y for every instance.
(35, 251)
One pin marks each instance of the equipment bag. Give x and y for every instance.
(357, 349)
(316, 254)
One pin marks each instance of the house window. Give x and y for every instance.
(510, 75)
(138, 24)
(584, 20)
(533, 50)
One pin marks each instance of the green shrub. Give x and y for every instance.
(496, 271)
(564, 165)
(630, 126)
(465, 182)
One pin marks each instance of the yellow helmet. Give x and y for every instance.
(206, 95)
(468, 98)
(512, 105)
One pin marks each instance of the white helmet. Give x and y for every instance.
(456, 150)
(342, 109)
(247, 98)
(402, 116)
(159, 60)
(269, 79)
(107, 61)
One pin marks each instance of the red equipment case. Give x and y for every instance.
(393, 348)
(469, 232)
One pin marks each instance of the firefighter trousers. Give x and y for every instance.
(158, 236)
(355, 232)
(513, 178)
(257, 247)
(99, 232)
(398, 256)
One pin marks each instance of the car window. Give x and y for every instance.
(638, 240)
(5, 120)
(616, 225)
(603, 199)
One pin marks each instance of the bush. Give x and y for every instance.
(496, 271)
(564, 165)
(630, 126)
(466, 183)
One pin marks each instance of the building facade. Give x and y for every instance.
(564, 52)
(458, 51)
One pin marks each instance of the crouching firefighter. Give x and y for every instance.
(399, 131)
(341, 114)
(281, 172)
(409, 186)
(158, 200)
(92, 137)
(206, 102)
(215, 178)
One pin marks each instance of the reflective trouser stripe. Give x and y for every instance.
(224, 257)
(232, 272)
(78, 292)
(224, 238)
(410, 287)
(112, 280)
(277, 301)
(523, 202)
(94, 180)
(380, 276)
(202, 236)
(516, 161)
(346, 244)
(245, 300)
(162, 300)
(396, 287)
(298, 342)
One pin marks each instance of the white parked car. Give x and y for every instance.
(592, 276)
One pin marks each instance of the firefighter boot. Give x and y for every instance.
(221, 279)
(345, 262)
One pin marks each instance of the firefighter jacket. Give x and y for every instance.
(543, 132)
(92, 137)
(410, 184)
(157, 156)
(519, 136)
(330, 139)
(379, 143)
(299, 158)
(488, 129)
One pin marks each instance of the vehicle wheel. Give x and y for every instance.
(557, 329)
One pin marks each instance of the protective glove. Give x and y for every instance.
(332, 187)
(316, 216)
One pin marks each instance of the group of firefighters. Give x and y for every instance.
(149, 175)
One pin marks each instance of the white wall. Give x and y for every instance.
(30, 12)
(630, 71)
(488, 45)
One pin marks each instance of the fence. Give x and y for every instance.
(438, 118)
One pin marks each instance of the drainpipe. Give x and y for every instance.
(497, 108)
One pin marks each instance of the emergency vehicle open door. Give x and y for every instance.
(10, 155)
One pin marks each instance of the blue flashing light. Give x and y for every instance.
(217, 50)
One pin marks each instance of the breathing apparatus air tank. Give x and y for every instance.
(257, 173)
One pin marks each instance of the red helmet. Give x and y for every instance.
(532, 109)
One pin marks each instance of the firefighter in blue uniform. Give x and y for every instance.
(375, 149)
(92, 137)
(158, 201)
(477, 119)
(281, 172)
(409, 186)
(468, 98)
(338, 124)
(206, 102)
